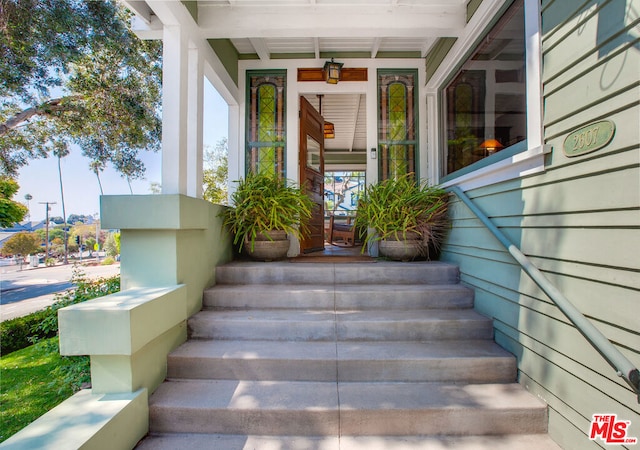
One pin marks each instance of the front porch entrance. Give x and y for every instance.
(338, 171)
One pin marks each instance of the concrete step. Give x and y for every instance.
(474, 361)
(342, 296)
(236, 442)
(284, 272)
(317, 325)
(351, 408)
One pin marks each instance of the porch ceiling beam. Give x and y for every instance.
(427, 47)
(175, 13)
(376, 46)
(261, 48)
(239, 21)
(140, 8)
(356, 113)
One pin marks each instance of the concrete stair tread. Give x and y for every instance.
(426, 315)
(324, 288)
(300, 396)
(349, 408)
(339, 296)
(471, 361)
(319, 325)
(238, 442)
(296, 315)
(290, 350)
(284, 272)
(246, 395)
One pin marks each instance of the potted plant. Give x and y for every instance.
(409, 218)
(266, 211)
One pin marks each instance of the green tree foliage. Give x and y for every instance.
(10, 210)
(106, 81)
(21, 244)
(112, 244)
(216, 173)
(155, 188)
(73, 219)
(56, 233)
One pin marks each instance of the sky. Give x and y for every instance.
(81, 190)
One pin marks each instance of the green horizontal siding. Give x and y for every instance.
(578, 221)
(345, 158)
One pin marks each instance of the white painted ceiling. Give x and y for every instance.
(315, 27)
(348, 113)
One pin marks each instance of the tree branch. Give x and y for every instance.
(46, 108)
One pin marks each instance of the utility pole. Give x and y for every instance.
(97, 237)
(46, 239)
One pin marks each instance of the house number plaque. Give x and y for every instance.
(589, 138)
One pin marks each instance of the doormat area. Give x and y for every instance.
(332, 259)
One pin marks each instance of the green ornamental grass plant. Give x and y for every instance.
(396, 208)
(263, 203)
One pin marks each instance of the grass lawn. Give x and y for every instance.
(34, 380)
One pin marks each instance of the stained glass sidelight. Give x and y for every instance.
(397, 137)
(266, 137)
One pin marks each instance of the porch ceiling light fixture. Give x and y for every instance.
(331, 71)
(329, 129)
(490, 146)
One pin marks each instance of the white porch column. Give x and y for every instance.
(174, 110)
(195, 99)
(236, 148)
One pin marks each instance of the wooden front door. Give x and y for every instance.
(312, 173)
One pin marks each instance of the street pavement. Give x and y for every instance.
(26, 290)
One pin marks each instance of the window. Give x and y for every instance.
(266, 137)
(397, 137)
(486, 100)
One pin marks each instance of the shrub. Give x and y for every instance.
(108, 261)
(19, 332)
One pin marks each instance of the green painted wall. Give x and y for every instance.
(192, 7)
(345, 158)
(228, 56)
(437, 55)
(579, 222)
(472, 7)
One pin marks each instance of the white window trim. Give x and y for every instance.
(519, 165)
(522, 164)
